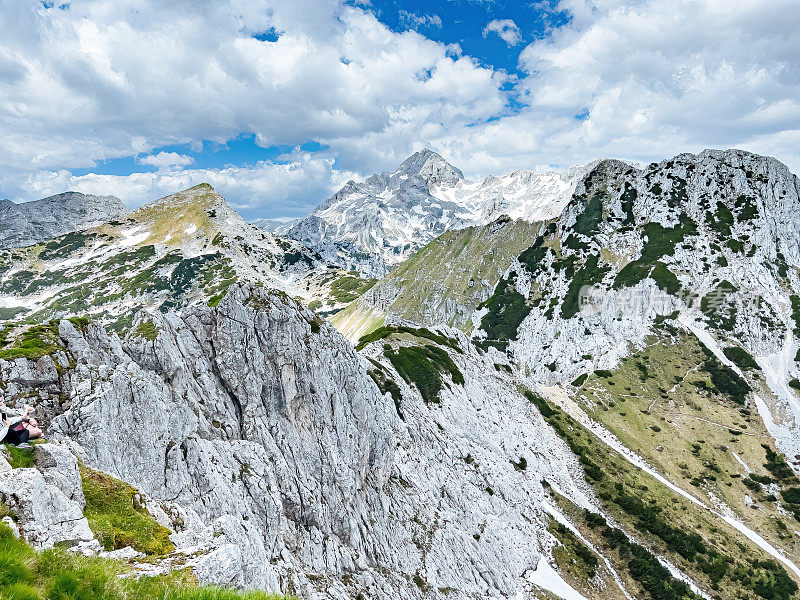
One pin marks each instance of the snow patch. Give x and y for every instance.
(547, 578)
(133, 237)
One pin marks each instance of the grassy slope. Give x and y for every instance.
(462, 266)
(118, 519)
(625, 491)
(357, 319)
(172, 215)
(689, 434)
(58, 574)
(581, 567)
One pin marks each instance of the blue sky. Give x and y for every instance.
(277, 103)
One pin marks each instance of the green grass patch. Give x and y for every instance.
(580, 379)
(795, 299)
(58, 574)
(719, 306)
(19, 458)
(348, 288)
(117, 517)
(34, 343)
(506, 309)
(588, 221)
(386, 384)
(665, 279)
(572, 547)
(147, 330)
(741, 358)
(720, 221)
(589, 274)
(660, 241)
(725, 380)
(387, 330)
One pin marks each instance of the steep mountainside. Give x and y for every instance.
(715, 237)
(375, 225)
(184, 248)
(280, 458)
(444, 282)
(256, 429)
(32, 222)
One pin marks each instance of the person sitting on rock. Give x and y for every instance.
(18, 429)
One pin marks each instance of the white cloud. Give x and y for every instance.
(506, 29)
(643, 80)
(265, 188)
(96, 82)
(164, 160)
(413, 21)
(646, 81)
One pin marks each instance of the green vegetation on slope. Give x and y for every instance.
(506, 309)
(660, 241)
(35, 342)
(18, 458)
(446, 280)
(349, 287)
(712, 553)
(386, 384)
(147, 330)
(590, 273)
(385, 331)
(117, 517)
(662, 403)
(423, 366)
(58, 574)
(741, 358)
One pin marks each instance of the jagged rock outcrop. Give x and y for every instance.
(258, 432)
(47, 502)
(33, 222)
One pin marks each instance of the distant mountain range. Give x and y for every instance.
(375, 225)
(182, 249)
(32, 222)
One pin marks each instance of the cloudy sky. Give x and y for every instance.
(278, 102)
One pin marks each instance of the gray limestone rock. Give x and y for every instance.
(31, 222)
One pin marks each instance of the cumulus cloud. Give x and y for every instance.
(164, 160)
(646, 81)
(506, 29)
(284, 187)
(96, 82)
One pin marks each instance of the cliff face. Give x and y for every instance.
(258, 432)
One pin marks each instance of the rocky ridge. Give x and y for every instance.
(32, 222)
(182, 249)
(256, 428)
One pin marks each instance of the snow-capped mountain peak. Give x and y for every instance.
(374, 225)
(430, 167)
